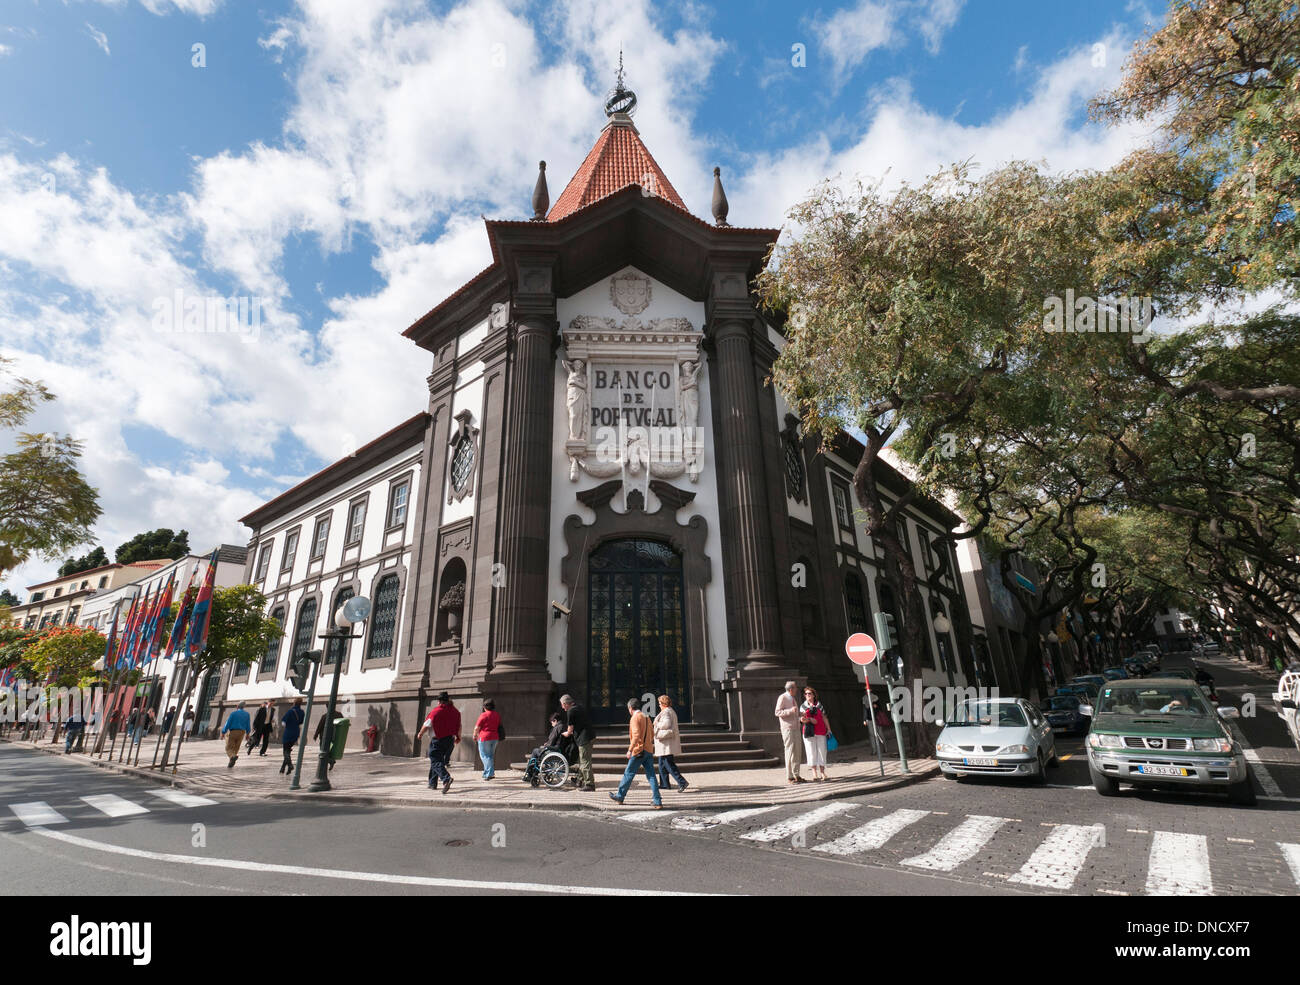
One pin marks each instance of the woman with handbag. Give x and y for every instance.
(815, 730)
(668, 744)
(487, 733)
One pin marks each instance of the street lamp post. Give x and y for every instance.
(353, 611)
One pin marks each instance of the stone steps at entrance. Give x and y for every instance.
(705, 749)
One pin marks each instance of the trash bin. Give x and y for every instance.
(338, 738)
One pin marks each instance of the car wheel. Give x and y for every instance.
(1242, 793)
(956, 777)
(1055, 761)
(1105, 785)
(1041, 776)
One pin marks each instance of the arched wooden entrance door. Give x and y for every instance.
(636, 639)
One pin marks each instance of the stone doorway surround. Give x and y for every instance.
(660, 524)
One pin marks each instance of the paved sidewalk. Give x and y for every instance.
(371, 778)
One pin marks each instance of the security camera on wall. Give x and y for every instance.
(560, 609)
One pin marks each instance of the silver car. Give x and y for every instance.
(996, 737)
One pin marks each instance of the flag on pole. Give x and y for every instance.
(202, 615)
(153, 632)
(179, 627)
(110, 645)
(128, 633)
(137, 632)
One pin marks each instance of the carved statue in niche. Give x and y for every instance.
(577, 399)
(688, 386)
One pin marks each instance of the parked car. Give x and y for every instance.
(1087, 693)
(1163, 731)
(1064, 714)
(1115, 674)
(1135, 668)
(1286, 698)
(996, 737)
(1097, 680)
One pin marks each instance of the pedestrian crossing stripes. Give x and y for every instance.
(1052, 857)
(640, 817)
(182, 799)
(786, 829)
(38, 814)
(959, 845)
(873, 834)
(1179, 865)
(1055, 863)
(694, 822)
(114, 806)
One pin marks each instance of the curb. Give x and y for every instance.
(362, 800)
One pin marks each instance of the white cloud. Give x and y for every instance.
(935, 18)
(99, 37)
(848, 36)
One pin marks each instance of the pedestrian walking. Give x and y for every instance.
(187, 723)
(812, 716)
(236, 727)
(787, 713)
(639, 743)
(167, 720)
(444, 723)
(292, 722)
(320, 730)
(579, 729)
(487, 733)
(668, 744)
(263, 726)
(72, 730)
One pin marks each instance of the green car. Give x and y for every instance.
(1162, 730)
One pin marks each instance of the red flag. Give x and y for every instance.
(153, 634)
(182, 617)
(128, 632)
(202, 616)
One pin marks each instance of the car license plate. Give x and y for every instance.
(980, 762)
(1163, 770)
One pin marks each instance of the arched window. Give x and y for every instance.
(302, 637)
(334, 650)
(855, 604)
(272, 655)
(383, 629)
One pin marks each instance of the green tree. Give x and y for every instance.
(64, 655)
(152, 544)
(94, 559)
(46, 506)
(8, 598)
(239, 631)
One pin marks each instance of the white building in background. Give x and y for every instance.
(345, 531)
(100, 609)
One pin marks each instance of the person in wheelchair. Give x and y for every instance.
(556, 742)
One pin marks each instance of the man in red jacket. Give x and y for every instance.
(444, 722)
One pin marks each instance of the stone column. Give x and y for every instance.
(748, 553)
(518, 680)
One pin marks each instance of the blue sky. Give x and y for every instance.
(332, 159)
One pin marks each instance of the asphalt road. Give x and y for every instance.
(72, 829)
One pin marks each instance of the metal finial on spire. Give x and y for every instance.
(541, 194)
(621, 98)
(719, 199)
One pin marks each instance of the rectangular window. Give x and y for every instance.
(58, 591)
(103, 581)
(356, 522)
(397, 503)
(290, 549)
(320, 537)
(263, 562)
(842, 512)
(38, 596)
(85, 585)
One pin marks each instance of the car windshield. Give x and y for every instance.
(1179, 673)
(987, 713)
(1173, 699)
(1065, 704)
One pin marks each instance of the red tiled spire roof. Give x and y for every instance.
(617, 160)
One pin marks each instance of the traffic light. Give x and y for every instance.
(886, 634)
(301, 667)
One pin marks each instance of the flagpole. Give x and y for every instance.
(139, 639)
(200, 640)
(122, 655)
(177, 626)
(155, 644)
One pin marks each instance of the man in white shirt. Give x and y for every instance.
(787, 713)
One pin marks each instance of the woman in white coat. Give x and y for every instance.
(668, 744)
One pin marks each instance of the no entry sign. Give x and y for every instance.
(861, 648)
